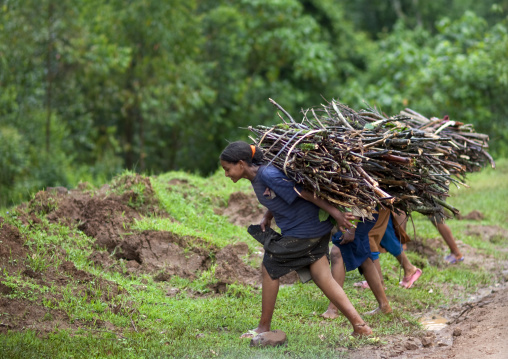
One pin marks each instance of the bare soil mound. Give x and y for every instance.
(472, 216)
(243, 209)
(493, 234)
(21, 314)
(427, 249)
(11, 242)
(107, 217)
(230, 267)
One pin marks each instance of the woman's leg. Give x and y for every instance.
(447, 235)
(392, 244)
(339, 275)
(322, 276)
(377, 264)
(269, 291)
(372, 276)
(409, 269)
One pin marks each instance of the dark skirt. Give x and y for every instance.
(286, 254)
(356, 252)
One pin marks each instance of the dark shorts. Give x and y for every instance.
(357, 251)
(286, 254)
(390, 242)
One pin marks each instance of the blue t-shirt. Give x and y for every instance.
(295, 216)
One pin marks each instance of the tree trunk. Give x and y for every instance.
(129, 140)
(49, 76)
(141, 125)
(418, 13)
(398, 9)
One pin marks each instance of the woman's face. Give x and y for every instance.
(233, 170)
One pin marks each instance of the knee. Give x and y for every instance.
(335, 254)
(367, 263)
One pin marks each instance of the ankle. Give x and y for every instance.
(408, 272)
(262, 328)
(361, 330)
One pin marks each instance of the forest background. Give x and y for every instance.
(89, 88)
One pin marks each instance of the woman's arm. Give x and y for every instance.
(343, 219)
(266, 221)
(348, 236)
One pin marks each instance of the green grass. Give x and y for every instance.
(196, 323)
(191, 206)
(488, 193)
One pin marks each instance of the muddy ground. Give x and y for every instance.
(106, 215)
(474, 330)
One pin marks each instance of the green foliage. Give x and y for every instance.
(13, 160)
(461, 71)
(89, 88)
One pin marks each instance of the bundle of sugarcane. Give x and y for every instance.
(359, 160)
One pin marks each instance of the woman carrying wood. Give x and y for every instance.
(389, 235)
(303, 244)
(351, 250)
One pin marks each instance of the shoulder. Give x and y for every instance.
(269, 172)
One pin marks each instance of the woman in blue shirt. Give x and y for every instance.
(304, 239)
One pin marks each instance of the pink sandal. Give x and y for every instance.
(363, 284)
(408, 282)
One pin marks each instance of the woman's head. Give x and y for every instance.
(242, 151)
(239, 158)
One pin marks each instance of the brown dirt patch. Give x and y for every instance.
(11, 242)
(472, 216)
(157, 251)
(243, 209)
(475, 330)
(21, 314)
(427, 248)
(107, 218)
(493, 234)
(231, 268)
(18, 313)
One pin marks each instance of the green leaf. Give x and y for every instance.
(323, 215)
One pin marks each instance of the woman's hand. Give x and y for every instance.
(343, 220)
(266, 221)
(348, 236)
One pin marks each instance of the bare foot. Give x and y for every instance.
(407, 282)
(330, 314)
(409, 273)
(252, 333)
(380, 310)
(361, 330)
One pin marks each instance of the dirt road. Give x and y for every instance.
(475, 330)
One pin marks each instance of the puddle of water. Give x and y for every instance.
(435, 322)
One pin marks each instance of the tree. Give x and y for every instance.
(462, 71)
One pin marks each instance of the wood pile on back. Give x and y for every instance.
(360, 160)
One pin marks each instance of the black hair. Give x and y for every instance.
(242, 151)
